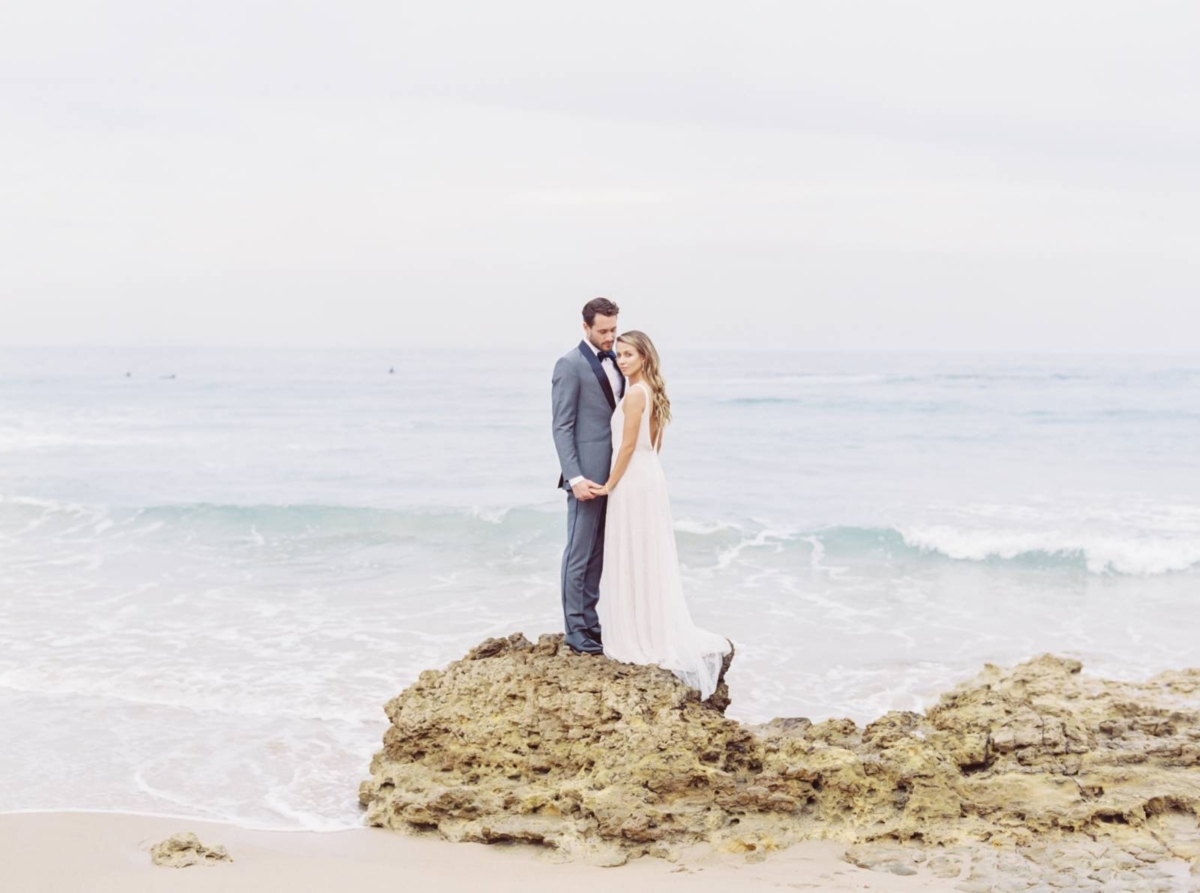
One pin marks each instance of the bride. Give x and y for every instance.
(641, 608)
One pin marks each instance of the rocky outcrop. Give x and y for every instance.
(182, 850)
(602, 760)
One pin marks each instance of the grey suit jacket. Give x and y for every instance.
(583, 404)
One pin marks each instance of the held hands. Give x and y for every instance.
(584, 490)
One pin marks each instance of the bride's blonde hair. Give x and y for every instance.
(660, 405)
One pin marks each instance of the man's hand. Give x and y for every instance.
(601, 490)
(583, 490)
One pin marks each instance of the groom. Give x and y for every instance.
(584, 393)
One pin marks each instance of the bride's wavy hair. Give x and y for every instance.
(660, 405)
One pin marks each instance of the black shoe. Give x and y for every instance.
(584, 650)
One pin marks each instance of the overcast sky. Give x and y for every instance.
(817, 175)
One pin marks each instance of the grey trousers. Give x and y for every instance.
(582, 563)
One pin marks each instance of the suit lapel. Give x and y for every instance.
(601, 375)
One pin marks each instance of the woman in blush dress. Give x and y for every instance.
(642, 609)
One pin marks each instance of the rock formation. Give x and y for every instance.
(602, 760)
(182, 850)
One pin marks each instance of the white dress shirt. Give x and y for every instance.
(614, 379)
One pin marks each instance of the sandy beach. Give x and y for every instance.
(74, 852)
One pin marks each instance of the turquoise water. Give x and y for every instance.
(215, 570)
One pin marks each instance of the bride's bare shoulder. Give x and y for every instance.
(635, 397)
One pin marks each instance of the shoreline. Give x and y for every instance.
(177, 817)
(108, 852)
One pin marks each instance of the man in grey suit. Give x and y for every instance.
(584, 393)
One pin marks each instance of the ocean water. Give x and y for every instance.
(216, 569)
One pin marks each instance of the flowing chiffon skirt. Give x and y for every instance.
(644, 618)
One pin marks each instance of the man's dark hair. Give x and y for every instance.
(602, 306)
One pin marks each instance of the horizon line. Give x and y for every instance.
(723, 348)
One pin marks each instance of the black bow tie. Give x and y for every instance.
(607, 355)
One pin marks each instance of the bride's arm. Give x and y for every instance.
(635, 405)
